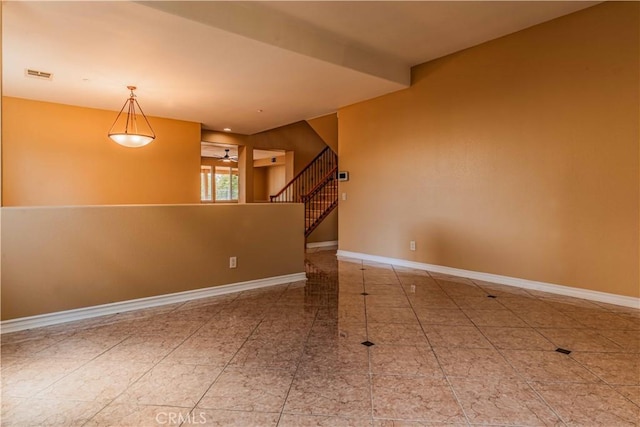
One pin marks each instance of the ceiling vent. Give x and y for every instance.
(38, 74)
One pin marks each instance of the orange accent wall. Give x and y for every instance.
(56, 154)
(517, 157)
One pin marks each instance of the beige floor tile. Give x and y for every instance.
(264, 354)
(579, 340)
(501, 290)
(414, 398)
(97, 380)
(517, 338)
(224, 418)
(631, 392)
(331, 357)
(451, 317)
(433, 303)
(629, 341)
(387, 301)
(293, 353)
(456, 337)
(290, 420)
(332, 331)
(169, 328)
(248, 390)
(351, 314)
(605, 321)
(51, 412)
(548, 366)
(27, 347)
(421, 292)
(481, 302)
(318, 393)
(172, 384)
(198, 350)
(270, 330)
(589, 404)
(613, 368)
(460, 289)
(130, 414)
(473, 363)
(521, 304)
(144, 349)
(84, 347)
(404, 360)
(403, 423)
(548, 319)
(27, 377)
(504, 318)
(396, 334)
(384, 290)
(391, 315)
(503, 402)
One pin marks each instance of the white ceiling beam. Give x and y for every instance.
(251, 20)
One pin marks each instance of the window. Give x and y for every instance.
(206, 193)
(226, 182)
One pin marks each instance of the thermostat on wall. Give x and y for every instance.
(343, 176)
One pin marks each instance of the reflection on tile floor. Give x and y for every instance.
(447, 351)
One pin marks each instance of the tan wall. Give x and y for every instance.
(266, 162)
(61, 258)
(260, 184)
(58, 154)
(327, 128)
(327, 231)
(276, 179)
(298, 137)
(517, 157)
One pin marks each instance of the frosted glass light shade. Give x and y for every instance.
(130, 139)
(125, 130)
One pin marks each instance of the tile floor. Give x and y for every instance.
(445, 351)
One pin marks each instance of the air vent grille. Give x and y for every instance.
(38, 74)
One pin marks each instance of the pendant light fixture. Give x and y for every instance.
(125, 130)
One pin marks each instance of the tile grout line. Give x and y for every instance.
(298, 364)
(446, 377)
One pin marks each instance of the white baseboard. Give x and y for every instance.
(322, 244)
(622, 300)
(14, 325)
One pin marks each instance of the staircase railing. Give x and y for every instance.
(308, 178)
(320, 201)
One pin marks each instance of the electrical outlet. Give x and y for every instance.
(233, 262)
(412, 245)
(344, 196)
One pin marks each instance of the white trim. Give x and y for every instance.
(626, 301)
(322, 244)
(48, 319)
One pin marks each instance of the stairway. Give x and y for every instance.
(316, 186)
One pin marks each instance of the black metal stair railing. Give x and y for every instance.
(316, 186)
(320, 201)
(308, 178)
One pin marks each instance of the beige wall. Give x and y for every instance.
(517, 157)
(327, 231)
(298, 137)
(260, 185)
(275, 178)
(327, 128)
(61, 258)
(56, 154)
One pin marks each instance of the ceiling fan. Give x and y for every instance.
(227, 158)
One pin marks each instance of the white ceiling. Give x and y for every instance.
(220, 63)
